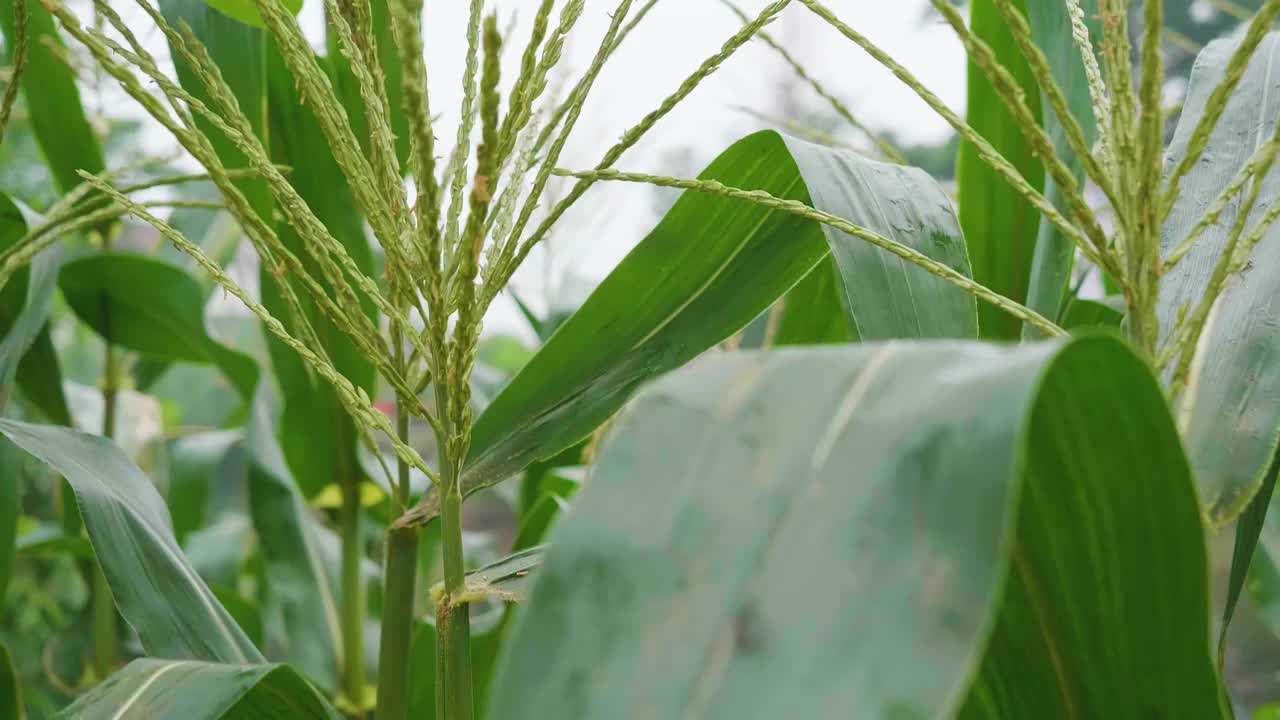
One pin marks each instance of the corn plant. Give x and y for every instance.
(984, 495)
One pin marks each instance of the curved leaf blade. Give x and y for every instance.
(813, 312)
(1235, 425)
(26, 352)
(10, 511)
(710, 267)
(153, 308)
(295, 562)
(10, 690)
(866, 520)
(1000, 226)
(246, 11)
(202, 691)
(1055, 254)
(154, 586)
(192, 461)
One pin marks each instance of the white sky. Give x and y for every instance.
(671, 42)
(667, 46)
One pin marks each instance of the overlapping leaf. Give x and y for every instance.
(1000, 226)
(1055, 253)
(157, 591)
(153, 308)
(881, 530)
(710, 267)
(202, 691)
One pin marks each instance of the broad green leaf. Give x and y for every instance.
(865, 532)
(150, 307)
(26, 352)
(1081, 313)
(246, 11)
(157, 591)
(511, 574)
(1234, 418)
(10, 511)
(813, 312)
(348, 89)
(246, 614)
(555, 487)
(1235, 423)
(1055, 253)
(40, 379)
(422, 667)
(1249, 529)
(190, 690)
(288, 539)
(239, 52)
(1000, 226)
(536, 523)
(710, 267)
(10, 691)
(192, 461)
(316, 434)
(53, 100)
(561, 473)
(218, 550)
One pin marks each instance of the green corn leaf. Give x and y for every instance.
(814, 312)
(10, 690)
(246, 11)
(537, 522)
(153, 308)
(1081, 313)
(50, 540)
(348, 89)
(289, 541)
(247, 615)
(49, 87)
(154, 586)
(512, 574)
(316, 434)
(1240, 374)
(193, 459)
(1055, 253)
(27, 359)
(710, 267)
(239, 52)
(1234, 425)
(10, 511)
(903, 529)
(189, 690)
(1000, 226)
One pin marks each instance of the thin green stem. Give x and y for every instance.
(353, 601)
(19, 43)
(400, 583)
(453, 625)
(104, 609)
